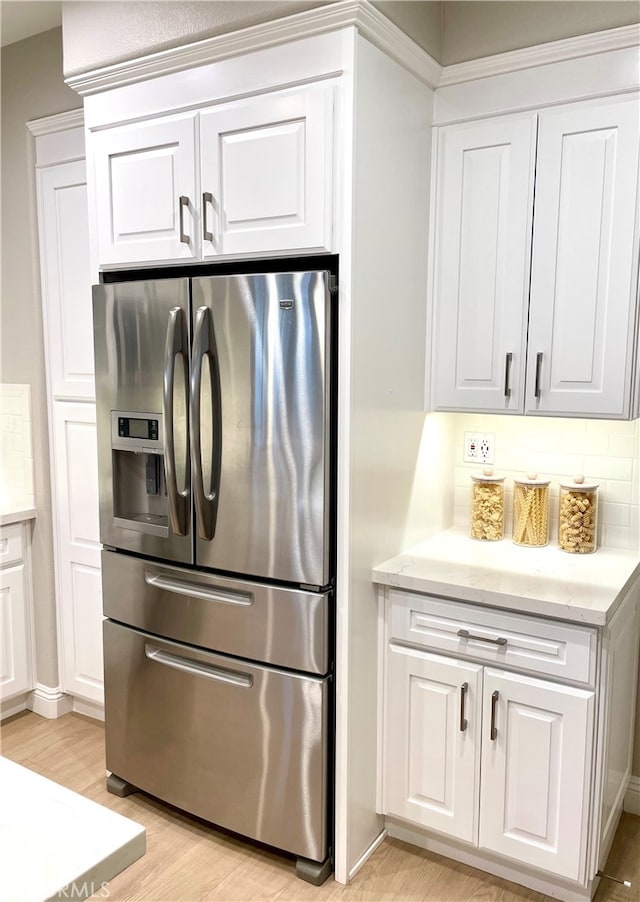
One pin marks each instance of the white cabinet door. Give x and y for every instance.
(15, 647)
(78, 549)
(66, 278)
(536, 765)
(146, 191)
(583, 304)
(266, 173)
(432, 741)
(481, 281)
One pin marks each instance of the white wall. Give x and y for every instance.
(31, 87)
(474, 29)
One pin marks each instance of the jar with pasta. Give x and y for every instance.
(487, 507)
(578, 516)
(531, 511)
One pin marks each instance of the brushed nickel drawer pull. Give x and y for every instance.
(465, 634)
(182, 203)
(538, 391)
(494, 706)
(507, 374)
(463, 696)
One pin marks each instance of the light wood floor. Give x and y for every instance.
(187, 860)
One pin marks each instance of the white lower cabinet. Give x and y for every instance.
(16, 665)
(503, 768)
(488, 757)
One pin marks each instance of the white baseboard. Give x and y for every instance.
(49, 701)
(632, 796)
(13, 706)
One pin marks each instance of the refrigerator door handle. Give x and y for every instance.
(176, 346)
(206, 503)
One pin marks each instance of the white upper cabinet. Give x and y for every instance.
(582, 312)
(543, 325)
(145, 190)
(248, 177)
(266, 179)
(484, 209)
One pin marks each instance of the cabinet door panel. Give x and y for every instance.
(584, 242)
(15, 648)
(64, 264)
(141, 171)
(431, 766)
(78, 548)
(266, 164)
(535, 772)
(481, 286)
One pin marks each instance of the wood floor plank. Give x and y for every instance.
(188, 860)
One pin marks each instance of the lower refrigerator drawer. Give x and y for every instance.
(241, 745)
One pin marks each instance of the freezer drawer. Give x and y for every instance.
(270, 624)
(240, 745)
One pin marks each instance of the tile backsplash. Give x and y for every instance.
(16, 450)
(605, 451)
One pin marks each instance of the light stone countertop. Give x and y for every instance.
(581, 588)
(53, 840)
(16, 510)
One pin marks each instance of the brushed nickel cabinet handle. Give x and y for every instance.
(507, 374)
(494, 706)
(183, 202)
(463, 696)
(465, 634)
(538, 390)
(207, 198)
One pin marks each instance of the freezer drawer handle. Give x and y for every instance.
(176, 346)
(206, 502)
(196, 668)
(185, 588)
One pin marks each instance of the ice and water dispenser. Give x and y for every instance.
(139, 488)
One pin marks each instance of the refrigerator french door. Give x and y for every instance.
(214, 452)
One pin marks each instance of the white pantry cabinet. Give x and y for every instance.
(535, 303)
(248, 177)
(68, 329)
(16, 629)
(499, 734)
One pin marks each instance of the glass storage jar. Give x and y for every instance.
(487, 507)
(578, 516)
(531, 511)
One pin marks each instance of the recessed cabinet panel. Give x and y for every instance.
(536, 761)
(15, 649)
(141, 174)
(432, 733)
(66, 277)
(582, 309)
(484, 206)
(87, 615)
(266, 173)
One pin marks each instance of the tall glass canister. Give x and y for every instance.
(531, 511)
(578, 516)
(487, 507)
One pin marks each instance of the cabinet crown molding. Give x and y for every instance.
(59, 122)
(360, 14)
(541, 55)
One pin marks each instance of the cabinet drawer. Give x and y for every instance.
(11, 544)
(528, 643)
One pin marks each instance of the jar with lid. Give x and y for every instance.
(578, 516)
(531, 511)
(487, 507)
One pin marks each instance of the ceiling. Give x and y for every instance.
(22, 19)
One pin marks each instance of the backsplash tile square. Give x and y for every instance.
(605, 451)
(16, 445)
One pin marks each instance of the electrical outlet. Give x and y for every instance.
(479, 447)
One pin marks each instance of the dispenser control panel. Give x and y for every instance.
(136, 431)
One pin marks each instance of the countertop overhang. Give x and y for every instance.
(581, 588)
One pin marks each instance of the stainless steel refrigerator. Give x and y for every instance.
(214, 404)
